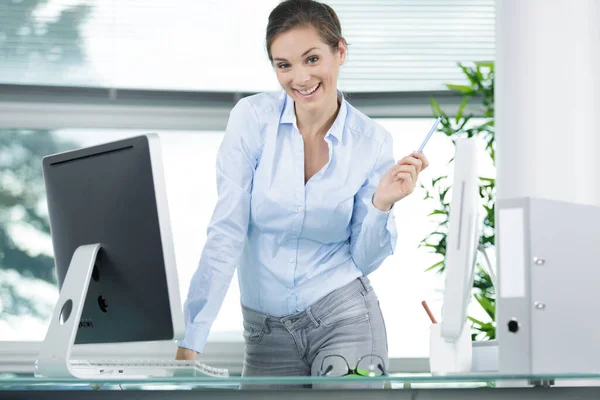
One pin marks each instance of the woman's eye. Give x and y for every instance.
(283, 65)
(313, 59)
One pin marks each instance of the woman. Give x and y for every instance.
(306, 186)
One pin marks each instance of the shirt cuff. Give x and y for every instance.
(375, 216)
(195, 338)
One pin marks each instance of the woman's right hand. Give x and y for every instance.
(186, 354)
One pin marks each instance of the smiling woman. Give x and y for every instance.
(306, 188)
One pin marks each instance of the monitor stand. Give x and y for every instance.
(450, 357)
(55, 352)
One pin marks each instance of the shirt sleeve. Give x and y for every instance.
(226, 234)
(373, 232)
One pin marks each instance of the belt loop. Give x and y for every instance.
(365, 283)
(311, 316)
(265, 324)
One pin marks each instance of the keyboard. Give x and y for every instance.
(142, 368)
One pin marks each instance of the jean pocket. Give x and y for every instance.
(352, 311)
(253, 333)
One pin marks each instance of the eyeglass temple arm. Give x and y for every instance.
(328, 370)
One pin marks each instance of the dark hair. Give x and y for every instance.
(295, 13)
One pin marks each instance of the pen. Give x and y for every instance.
(435, 124)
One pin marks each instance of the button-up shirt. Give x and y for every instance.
(292, 242)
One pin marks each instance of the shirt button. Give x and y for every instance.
(300, 209)
(292, 260)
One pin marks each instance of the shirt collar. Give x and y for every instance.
(337, 128)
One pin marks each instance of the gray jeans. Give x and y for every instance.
(346, 322)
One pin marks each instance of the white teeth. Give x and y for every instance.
(309, 91)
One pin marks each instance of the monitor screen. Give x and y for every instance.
(114, 194)
(462, 240)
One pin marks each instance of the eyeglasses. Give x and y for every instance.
(369, 365)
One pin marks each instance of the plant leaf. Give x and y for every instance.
(435, 106)
(437, 264)
(460, 88)
(461, 109)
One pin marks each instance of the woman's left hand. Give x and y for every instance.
(399, 181)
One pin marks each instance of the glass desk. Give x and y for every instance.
(398, 386)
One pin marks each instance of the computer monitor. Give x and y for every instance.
(113, 249)
(462, 240)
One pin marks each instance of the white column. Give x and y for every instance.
(548, 99)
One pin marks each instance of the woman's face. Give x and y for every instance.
(307, 68)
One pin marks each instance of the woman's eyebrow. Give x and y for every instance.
(303, 54)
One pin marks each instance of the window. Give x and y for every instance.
(210, 46)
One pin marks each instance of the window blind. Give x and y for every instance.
(413, 45)
(210, 45)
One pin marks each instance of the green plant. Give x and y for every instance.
(477, 96)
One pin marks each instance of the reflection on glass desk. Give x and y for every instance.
(410, 386)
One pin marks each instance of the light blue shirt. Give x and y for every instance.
(293, 243)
